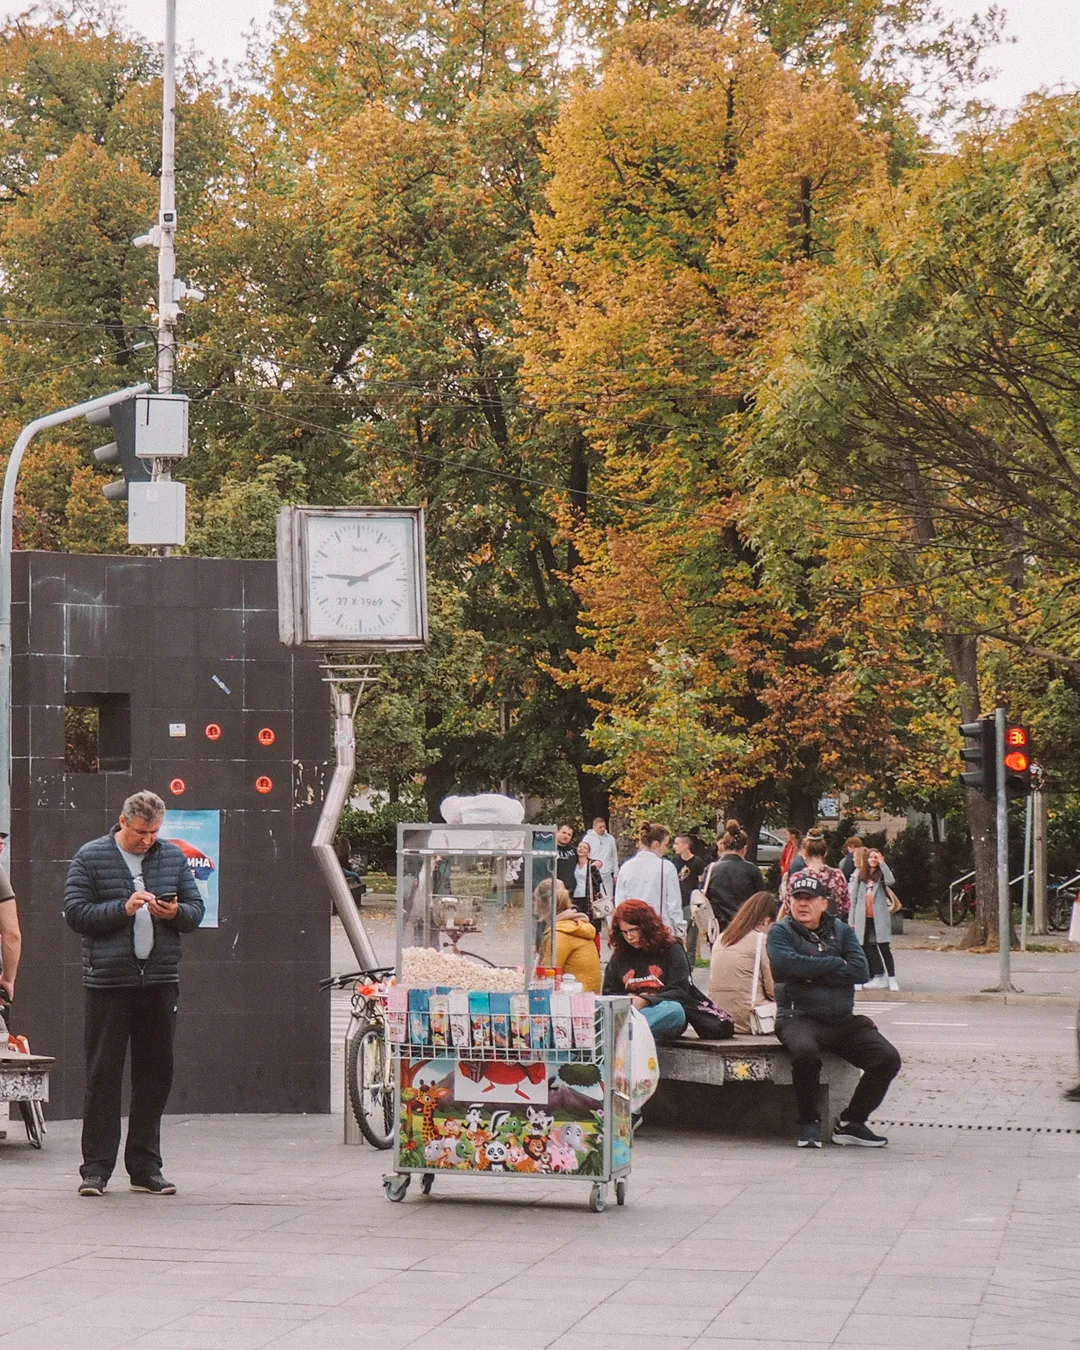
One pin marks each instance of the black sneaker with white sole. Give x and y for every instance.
(854, 1132)
(92, 1186)
(809, 1135)
(155, 1185)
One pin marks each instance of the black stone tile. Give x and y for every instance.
(87, 674)
(84, 629)
(172, 687)
(20, 731)
(46, 834)
(227, 745)
(130, 583)
(261, 636)
(85, 573)
(268, 686)
(46, 635)
(48, 784)
(171, 582)
(132, 628)
(47, 584)
(87, 791)
(219, 634)
(161, 745)
(130, 675)
(219, 583)
(260, 585)
(20, 627)
(174, 635)
(47, 733)
(219, 684)
(266, 735)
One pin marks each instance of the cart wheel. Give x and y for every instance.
(426, 1183)
(396, 1186)
(34, 1120)
(598, 1198)
(620, 1192)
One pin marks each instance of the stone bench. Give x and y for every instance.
(740, 1086)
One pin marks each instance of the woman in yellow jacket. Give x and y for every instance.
(575, 942)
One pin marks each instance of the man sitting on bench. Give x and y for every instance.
(816, 963)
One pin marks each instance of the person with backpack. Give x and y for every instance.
(730, 881)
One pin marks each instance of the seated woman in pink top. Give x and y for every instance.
(731, 975)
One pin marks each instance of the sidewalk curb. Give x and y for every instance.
(1020, 999)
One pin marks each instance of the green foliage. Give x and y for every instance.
(239, 520)
(373, 832)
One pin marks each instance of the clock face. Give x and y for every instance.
(361, 578)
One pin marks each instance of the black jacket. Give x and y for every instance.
(731, 883)
(98, 887)
(653, 976)
(815, 971)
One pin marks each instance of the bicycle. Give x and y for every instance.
(369, 1074)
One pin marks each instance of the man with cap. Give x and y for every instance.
(816, 963)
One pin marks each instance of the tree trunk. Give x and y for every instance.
(963, 654)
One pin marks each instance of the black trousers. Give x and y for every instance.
(145, 1019)
(879, 955)
(855, 1039)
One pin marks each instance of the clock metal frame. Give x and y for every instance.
(293, 571)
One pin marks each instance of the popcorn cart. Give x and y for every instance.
(501, 1068)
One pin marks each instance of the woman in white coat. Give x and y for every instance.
(870, 915)
(651, 877)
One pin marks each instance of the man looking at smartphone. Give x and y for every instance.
(130, 895)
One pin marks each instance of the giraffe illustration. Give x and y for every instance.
(425, 1099)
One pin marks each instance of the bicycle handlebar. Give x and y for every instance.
(340, 981)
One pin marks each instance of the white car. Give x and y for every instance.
(769, 847)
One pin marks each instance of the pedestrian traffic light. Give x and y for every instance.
(1017, 762)
(121, 450)
(982, 756)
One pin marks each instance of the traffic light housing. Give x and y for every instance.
(982, 757)
(121, 450)
(1017, 761)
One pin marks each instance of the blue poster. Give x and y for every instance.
(197, 834)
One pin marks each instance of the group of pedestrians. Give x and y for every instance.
(792, 959)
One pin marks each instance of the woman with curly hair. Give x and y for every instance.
(650, 964)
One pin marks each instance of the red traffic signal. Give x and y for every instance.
(1015, 736)
(1017, 762)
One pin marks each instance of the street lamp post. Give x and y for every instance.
(7, 517)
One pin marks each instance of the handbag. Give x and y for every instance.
(701, 910)
(710, 1023)
(895, 903)
(762, 1015)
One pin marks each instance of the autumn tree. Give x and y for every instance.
(929, 391)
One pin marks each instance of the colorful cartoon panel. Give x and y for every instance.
(552, 1120)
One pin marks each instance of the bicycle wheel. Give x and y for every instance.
(370, 1081)
(34, 1120)
(1059, 906)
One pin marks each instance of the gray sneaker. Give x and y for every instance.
(809, 1135)
(92, 1186)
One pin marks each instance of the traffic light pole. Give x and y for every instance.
(1002, 854)
(7, 532)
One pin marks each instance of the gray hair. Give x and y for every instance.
(145, 805)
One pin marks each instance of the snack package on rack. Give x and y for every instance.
(480, 1018)
(546, 977)
(562, 1036)
(539, 1018)
(459, 1017)
(440, 1020)
(397, 1013)
(419, 1002)
(519, 1021)
(500, 1020)
(583, 1013)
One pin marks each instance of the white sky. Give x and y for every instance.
(1046, 53)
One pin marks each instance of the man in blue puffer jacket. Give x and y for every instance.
(816, 963)
(130, 896)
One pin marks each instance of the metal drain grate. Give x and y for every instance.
(988, 1129)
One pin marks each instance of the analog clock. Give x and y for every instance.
(358, 576)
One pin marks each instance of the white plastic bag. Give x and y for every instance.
(644, 1062)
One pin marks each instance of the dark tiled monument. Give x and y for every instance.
(142, 647)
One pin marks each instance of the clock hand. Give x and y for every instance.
(389, 562)
(341, 576)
